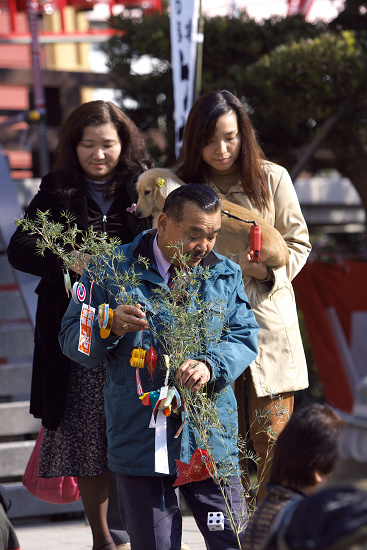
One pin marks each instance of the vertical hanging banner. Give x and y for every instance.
(184, 21)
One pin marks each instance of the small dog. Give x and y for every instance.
(153, 187)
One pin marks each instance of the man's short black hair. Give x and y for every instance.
(307, 444)
(204, 197)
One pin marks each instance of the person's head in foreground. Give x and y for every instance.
(306, 450)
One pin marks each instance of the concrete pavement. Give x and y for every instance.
(76, 535)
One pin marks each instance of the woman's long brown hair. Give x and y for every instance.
(199, 129)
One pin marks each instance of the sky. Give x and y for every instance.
(263, 9)
(258, 9)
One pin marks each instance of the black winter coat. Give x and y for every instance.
(50, 366)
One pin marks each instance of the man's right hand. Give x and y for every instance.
(128, 319)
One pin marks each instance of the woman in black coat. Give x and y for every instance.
(99, 155)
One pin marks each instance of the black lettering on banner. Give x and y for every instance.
(184, 67)
(179, 32)
(186, 99)
(188, 28)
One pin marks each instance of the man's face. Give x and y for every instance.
(197, 231)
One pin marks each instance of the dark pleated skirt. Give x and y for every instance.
(79, 445)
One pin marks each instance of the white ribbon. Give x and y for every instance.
(161, 450)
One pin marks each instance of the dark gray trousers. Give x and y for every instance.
(152, 528)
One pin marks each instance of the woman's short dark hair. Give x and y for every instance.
(204, 197)
(96, 113)
(307, 444)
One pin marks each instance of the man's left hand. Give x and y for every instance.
(193, 374)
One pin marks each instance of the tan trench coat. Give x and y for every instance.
(281, 364)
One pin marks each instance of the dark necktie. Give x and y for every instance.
(176, 286)
(172, 276)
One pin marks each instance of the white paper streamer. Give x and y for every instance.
(161, 451)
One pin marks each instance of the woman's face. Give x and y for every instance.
(222, 150)
(99, 151)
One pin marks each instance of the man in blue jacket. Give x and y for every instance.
(143, 447)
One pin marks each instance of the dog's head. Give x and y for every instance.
(153, 187)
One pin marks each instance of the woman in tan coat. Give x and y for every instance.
(220, 149)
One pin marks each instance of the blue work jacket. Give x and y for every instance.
(131, 443)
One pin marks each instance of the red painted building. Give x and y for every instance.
(52, 60)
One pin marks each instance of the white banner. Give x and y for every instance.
(184, 39)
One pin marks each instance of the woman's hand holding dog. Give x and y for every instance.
(259, 270)
(80, 261)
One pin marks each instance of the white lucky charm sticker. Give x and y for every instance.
(85, 334)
